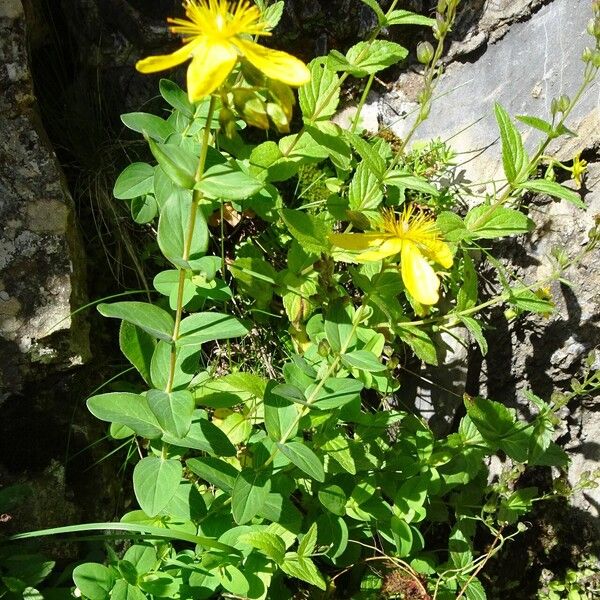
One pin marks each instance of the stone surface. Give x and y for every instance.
(41, 266)
(534, 61)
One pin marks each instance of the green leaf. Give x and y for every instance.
(363, 359)
(304, 569)
(468, 292)
(127, 409)
(135, 180)
(474, 589)
(477, 332)
(126, 591)
(155, 481)
(551, 188)
(160, 585)
(176, 97)
(151, 125)
(310, 231)
(289, 392)
(304, 458)
(374, 6)
(420, 342)
(338, 448)
(403, 180)
(173, 226)
(93, 580)
(537, 123)
(273, 13)
(173, 410)
(308, 543)
(451, 226)
(320, 97)
(405, 17)
(269, 544)
(364, 192)
(148, 317)
(233, 580)
(230, 390)
(489, 222)
(338, 326)
(186, 365)
(144, 209)
(367, 58)
(336, 392)
(369, 154)
(280, 415)
(208, 326)
(497, 425)
(177, 162)
(516, 505)
(525, 299)
(249, 494)
(186, 505)
(228, 182)
(514, 157)
(138, 346)
(333, 498)
(165, 188)
(329, 136)
(402, 534)
(214, 471)
(205, 436)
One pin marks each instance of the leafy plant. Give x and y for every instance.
(258, 474)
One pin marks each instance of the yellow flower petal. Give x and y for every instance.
(357, 241)
(152, 64)
(275, 64)
(418, 275)
(212, 62)
(389, 247)
(439, 252)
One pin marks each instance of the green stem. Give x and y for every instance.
(361, 103)
(330, 371)
(321, 105)
(427, 94)
(187, 244)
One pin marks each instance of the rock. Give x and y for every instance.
(41, 260)
(534, 61)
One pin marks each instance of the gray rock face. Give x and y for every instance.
(41, 267)
(534, 61)
(522, 54)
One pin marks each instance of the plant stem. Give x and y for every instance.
(361, 103)
(321, 105)
(187, 244)
(330, 371)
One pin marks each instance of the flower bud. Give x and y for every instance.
(323, 348)
(564, 102)
(596, 59)
(593, 27)
(424, 53)
(587, 55)
(227, 122)
(441, 6)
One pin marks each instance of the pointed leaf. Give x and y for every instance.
(155, 481)
(304, 458)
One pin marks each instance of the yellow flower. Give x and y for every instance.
(416, 238)
(216, 36)
(578, 169)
